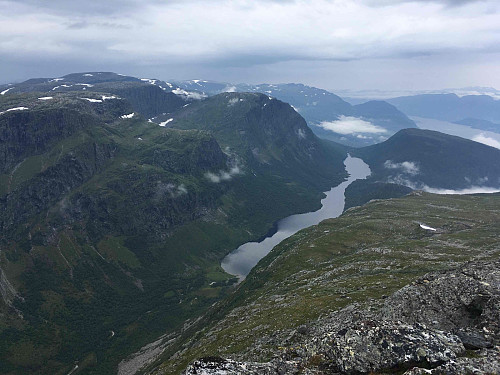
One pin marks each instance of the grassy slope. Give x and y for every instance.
(362, 191)
(367, 253)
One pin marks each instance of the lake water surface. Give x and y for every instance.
(240, 261)
(483, 136)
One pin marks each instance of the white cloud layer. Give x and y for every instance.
(401, 180)
(162, 33)
(407, 167)
(481, 138)
(470, 190)
(351, 125)
(223, 175)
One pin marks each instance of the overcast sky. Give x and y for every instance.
(333, 44)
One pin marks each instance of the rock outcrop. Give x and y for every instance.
(443, 323)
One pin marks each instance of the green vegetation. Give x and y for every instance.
(112, 232)
(438, 160)
(360, 192)
(364, 255)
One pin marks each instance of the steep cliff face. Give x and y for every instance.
(149, 100)
(46, 188)
(44, 123)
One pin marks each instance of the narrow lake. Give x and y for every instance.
(240, 261)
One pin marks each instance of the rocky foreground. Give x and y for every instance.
(443, 323)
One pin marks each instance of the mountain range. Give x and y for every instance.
(120, 196)
(328, 115)
(478, 111)
(113, 227)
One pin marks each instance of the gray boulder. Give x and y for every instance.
(444, 323)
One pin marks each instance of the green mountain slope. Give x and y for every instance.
(113, 227)
(361, 257)
(88, 198)
(318, 106)
(266, 134)
(419, 158)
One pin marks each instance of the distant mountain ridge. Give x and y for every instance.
(450, 107)
(361, 96)
(148, 96)
(320, 107)
(480, 124)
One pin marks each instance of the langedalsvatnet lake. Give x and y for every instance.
(240, 261)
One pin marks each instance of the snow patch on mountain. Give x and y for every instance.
(164, 123)
(148, 80)
(14, 109)
(5, 91)
(104, 97)
(92, 100)
(427, 227)
(55, 88)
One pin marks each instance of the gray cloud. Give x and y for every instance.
(89, 7)
(239, 38)
(85, 25)
(450, 3)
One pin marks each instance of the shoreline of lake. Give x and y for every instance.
(241, 260)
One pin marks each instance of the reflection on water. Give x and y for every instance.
(240, 261)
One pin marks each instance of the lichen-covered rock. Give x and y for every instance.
(425, 328)
(371, 345)
(220, 366)
(465, 301)
(486, 363)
